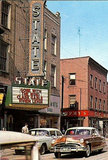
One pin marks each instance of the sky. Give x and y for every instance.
(91, 18)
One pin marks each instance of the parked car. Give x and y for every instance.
(15, 140)
(79, 139)
(44, 136)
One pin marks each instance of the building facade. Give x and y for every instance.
(84, 93)
(52, 67)
(29, 65)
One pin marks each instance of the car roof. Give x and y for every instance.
(81, 128)
(47, 129)
(10, 137)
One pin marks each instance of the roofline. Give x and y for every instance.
(89, 58)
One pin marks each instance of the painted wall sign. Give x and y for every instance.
(21, 95)
(36, 39)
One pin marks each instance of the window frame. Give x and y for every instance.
(45, 39)
(6, 14)
(100, 85)
(70, 100)
(104, 103)
(53, 44)
(100, 104)
(91, 102)
(53, 76)
(95, 83)
(104, 88)
(4, 47)
(96, 100)
(72, 82)
(91, 80)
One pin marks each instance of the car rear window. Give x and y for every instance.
(39, 133)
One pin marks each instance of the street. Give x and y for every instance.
(10, 155)
(94, 156)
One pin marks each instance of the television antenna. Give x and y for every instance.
(79, 34)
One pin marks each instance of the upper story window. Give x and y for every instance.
(99, 104)
(5, 18)
(45, 39)
(91, 80)
(100, 87)
(45, 69)
(91, 101)
(95, 82)
(3, 56)
(72, 79)
(53, 76)
(104, 91)
(95, 102)
(53, 44)
(104, 105)
(72, 100)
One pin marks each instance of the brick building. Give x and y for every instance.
(15, 62)
(84, 93)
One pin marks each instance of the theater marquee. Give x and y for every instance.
(27, 97)
(36, 39)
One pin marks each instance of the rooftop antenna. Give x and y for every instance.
(79, 39)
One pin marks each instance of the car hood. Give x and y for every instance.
(71, 138)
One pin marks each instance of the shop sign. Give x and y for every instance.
(21, 95)
(75, 113)
(29, 81)
(84, 113)
(54, 107)
(1, 98)
(36, 38)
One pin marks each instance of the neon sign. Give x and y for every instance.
(36, 39)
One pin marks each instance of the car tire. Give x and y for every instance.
(43, 149)
(88, 151)
(57, 154)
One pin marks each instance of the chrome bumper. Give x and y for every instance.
(68, 149)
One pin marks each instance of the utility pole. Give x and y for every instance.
(62, 93)
(62, 97)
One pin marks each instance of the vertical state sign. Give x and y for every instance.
(36, 38)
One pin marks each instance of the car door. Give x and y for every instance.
(58, 134)
(96, 140)
(52, 135)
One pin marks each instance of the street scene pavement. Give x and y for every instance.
(77, 156)
(10, 155)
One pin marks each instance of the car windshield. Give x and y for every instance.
(39, 133)
(78, 132)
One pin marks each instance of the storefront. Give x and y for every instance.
(52, 113)
(95, 119)
(3, 91)
(23, 103)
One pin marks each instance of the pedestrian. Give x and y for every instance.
(25, 129)
(63, 130)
